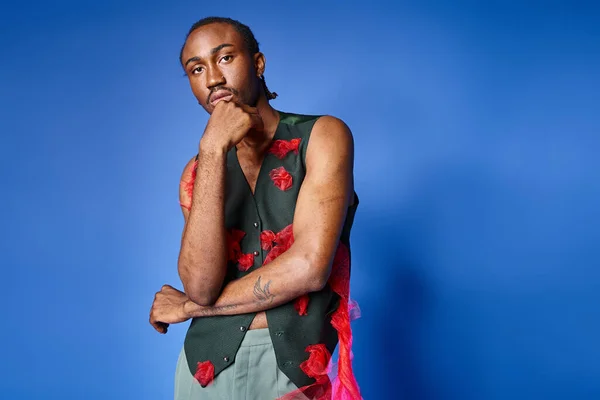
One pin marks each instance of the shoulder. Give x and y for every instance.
(186, 183)
(330, 155)
(329, 125)
(318, 122)
(189, 168)
(332, 134)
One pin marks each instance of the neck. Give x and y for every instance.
(270, 118)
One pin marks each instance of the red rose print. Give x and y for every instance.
(245, 261)
(317, 362)
(282, 240)
(234, 236)
(280, 148)
(285, 237)
(205, 373)
(301, 304)
(281, 178)
(266, 239)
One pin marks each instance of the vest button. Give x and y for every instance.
(256, 224)
(256, 253)
(226, 359)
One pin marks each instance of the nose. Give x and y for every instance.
(214, 77)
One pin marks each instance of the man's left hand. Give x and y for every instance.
(168, 308)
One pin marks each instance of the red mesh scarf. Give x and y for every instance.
(344, 386)
(188, 185)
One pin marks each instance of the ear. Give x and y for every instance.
(259, 63)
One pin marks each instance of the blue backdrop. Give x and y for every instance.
(475, 247)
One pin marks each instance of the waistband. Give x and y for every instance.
(255, 337)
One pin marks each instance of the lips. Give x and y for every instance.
(221, 94)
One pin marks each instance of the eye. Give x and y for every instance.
(197, 70)
(226, 58)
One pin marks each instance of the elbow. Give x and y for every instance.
(199, 291)
(317, 281)
(317, 274)
(315, 265)
(202, 299)
(201, 295)
(200, 287)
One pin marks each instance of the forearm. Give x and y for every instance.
(203, 256)
(284, 279)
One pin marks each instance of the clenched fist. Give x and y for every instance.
(228, 124)
(168, 308)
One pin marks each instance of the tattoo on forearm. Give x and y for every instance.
(263, 294)
(212, 311)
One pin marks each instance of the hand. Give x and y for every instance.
(228, 124)
(168, 308)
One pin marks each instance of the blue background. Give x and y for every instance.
(476, 260)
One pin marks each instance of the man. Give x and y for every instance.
(268, 204)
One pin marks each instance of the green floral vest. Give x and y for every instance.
(265, 215)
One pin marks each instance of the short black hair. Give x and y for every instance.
(249, 40)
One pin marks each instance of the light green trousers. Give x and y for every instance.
(254, 374)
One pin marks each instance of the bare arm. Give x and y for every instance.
(202, 258)
(185, 196)
(305, 266)
(319, 218)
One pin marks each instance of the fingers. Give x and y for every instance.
(226, 106)
(257, 122)
(248, 109)
(160, 327)
(166, 288)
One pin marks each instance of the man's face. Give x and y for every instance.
(219, 66)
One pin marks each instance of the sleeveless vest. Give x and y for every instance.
(258, 229)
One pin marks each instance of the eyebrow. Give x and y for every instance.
(212, 52)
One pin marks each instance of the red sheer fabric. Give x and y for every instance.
(301, 304)
(245, 261)
(333, 381)
(280, 148)
(278, 243)
(281, 178)
(337, 381)
(188, 185)
(205, 373)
